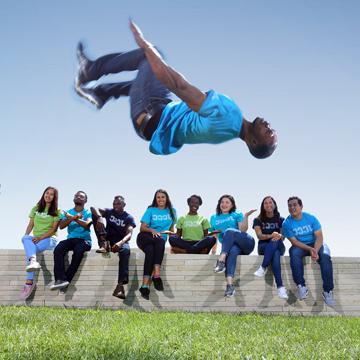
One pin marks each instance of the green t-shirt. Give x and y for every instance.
(193, 227)
(43, 222)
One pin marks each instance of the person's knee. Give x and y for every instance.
(173, 240)
(124, 251)
(26, 238)
(295, 252)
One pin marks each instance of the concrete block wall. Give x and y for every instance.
(190, 285)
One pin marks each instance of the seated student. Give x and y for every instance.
(306, 237)
(118, 232)
(268, 230)
(44, 221)
(157, 221)
(233, 237)
(78, 221)
(192, 231)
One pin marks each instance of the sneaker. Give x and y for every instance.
(328, 298)
(63, 290)
(145, 292)
(260, 272)
(34, 265)
(89, 95)
(158, 283)
(282, 293)
(59, 284)
(230, 291)
(220, 266)
(82, 76)
(303, 292)
(27, 291)
(119, 291)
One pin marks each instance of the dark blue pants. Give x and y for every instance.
(297, 267)
(272, 250)
(124, 256)
(193, 247)
(235, 242)
(147, 93)
(78, 246)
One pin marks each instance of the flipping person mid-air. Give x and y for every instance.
(199, 117)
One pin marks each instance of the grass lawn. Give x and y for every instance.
(50, 333)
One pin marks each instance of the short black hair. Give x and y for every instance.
(121, 198)
(195, 196)
(261, 151)
(295, 198)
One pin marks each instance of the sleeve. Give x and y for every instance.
(212, 106)
(58, 217)
(286, 230)
(205, 224)
(146, 218)
(257, 222)
(315, 223)
(239, 217)
(87, 215)
(180, 222)
(32, 212)
(130, 221)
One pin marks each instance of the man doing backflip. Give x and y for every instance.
(200, 117)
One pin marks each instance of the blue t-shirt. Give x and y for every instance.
(303, 230)
(116, 224)
(75, 230)
(218, 120)
(158, 219)
(225, 221)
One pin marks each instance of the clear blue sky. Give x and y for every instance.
(294, 63)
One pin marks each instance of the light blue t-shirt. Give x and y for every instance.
(75, 230)
(158, 219)
(303, 230)
(225, 221)
(218, 120)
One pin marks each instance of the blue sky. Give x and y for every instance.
(294, 63)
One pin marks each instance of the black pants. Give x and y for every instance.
(78, 246)
(154, 248)
(193, 247)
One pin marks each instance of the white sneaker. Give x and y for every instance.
(303, 292)
(260, 272)
(34, 265)
(282, 293)
(328, 298)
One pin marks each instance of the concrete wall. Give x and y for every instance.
(190, 285)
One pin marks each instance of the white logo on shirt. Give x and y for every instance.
(117, 221)
(221, 221)
(161, 217)
(303, 230)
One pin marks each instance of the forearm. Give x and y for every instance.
(46, 235)
(300, 245)
(126, 238)
(84, 224)
(263, 237)
(244, 224)
(64, 223)
(28, 230)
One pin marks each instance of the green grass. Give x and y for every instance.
(50, 333)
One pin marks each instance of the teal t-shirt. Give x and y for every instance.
(77, 231)
(158, 219)
(223, 222)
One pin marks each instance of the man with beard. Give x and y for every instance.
(78, 221)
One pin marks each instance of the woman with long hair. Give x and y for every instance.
(232, 226)
(43, 223)
(268, 230)
(157, 221)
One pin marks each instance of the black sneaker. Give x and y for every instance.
(82, 76)
(230, 291)
(59, 284)
(90, 95)
(219, 267)
(119, 292)
(158, 283)
(145, 293)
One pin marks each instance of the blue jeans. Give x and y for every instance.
(235, 242)
(146, 92)
(297, 267)
(124, 256)
(31, 249)
(272, 250)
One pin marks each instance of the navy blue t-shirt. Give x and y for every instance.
(116, 224)
(269, 225)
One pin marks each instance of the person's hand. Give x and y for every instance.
(247, 214)
(275, 236)
(138, 35)
(78, 216)
(314, 254)
(36, 239)
(116, 247)
(68, 216)
(155, 233)
(167, 232)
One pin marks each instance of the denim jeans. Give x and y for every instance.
(146, 92)
(297, 266)
(193, 247)
(235, 242)
(272, 250)
(31, 249)
(79, 246)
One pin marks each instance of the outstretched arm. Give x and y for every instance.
(173, 80)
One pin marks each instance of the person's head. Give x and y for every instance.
(49, 199)
(262, 140)
(268, 206)
(162, 200)
(194, 202)
(80, 198)
(295, 206)
(119, 203)
(226, 204)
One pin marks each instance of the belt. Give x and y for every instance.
(141, 122)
